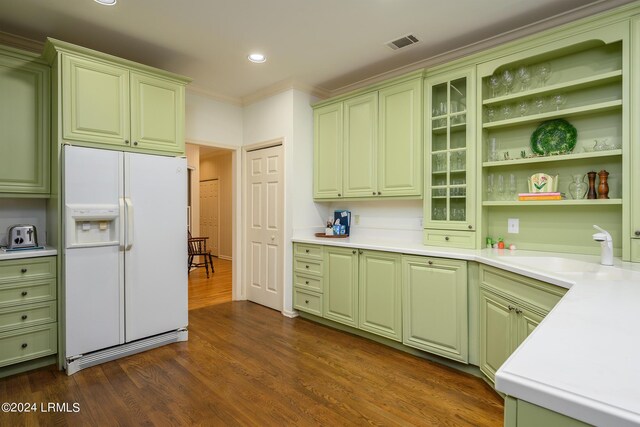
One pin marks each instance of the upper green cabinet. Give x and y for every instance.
(434, 293)
(370, 145)
(24, 124)
(109, 102)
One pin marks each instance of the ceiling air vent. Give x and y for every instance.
(404, 41)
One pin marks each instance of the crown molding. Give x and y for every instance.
(284, 86)
(488, 43)
(20, 42)
(199, 90)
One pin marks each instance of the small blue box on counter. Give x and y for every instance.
(344, 218)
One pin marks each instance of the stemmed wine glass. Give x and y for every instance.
(539, 102)
(494, 83)
(506, 111)
(559, 100)
(508, 78)
(524, 75)
(523, 107)
(544, 72)
(491, 113)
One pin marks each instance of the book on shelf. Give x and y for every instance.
(541, 196)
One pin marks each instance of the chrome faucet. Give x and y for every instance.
(606, 244)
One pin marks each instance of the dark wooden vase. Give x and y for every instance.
(603, 186)
(591, 194)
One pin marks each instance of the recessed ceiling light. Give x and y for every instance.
(257, 58)
(106, 2)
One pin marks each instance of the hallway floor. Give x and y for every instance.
(216, 289)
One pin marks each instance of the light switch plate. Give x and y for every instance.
(513, 225)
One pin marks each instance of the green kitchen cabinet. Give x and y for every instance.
(360, 146)
(380, 291)
(24, 121)
(109, 102)
(400, 140)
(369, 145)
(341, 285)
(327, 151)
(450, 154)
(95, 101)
(520, 413)
(435, 315)
(511, 307)
(634, 182)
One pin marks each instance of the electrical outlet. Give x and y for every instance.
(356, 219)
(513, 225)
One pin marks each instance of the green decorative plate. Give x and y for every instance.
(554, 137)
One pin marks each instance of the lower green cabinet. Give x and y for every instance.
(435, 306)
(520, 413)
(380, 304)
(341, 285)
(511, 306)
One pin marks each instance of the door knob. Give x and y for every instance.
(273, 237)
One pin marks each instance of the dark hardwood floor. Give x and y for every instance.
(248, 365)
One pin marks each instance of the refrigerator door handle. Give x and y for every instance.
(129, 233)
(121, 224)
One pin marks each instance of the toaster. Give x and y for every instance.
(21, 236)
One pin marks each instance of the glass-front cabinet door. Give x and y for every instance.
(449, 164)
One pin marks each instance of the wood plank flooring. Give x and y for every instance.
(216, 289)
(248, 365)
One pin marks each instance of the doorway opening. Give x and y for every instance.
(211, 188)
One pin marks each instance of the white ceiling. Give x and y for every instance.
(326, 44)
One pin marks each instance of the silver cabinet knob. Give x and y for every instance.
(446, 238)
(353, 252)
(430, 262)
(511, 308)
(637, 233)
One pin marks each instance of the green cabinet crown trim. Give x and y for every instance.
(24, 120)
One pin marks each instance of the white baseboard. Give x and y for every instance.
(290, 314)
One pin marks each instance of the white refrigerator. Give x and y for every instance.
(125, 253)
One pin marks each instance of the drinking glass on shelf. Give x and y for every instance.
(507, 111)
(559, 100)
(540, 104)
(490, 186)
(492, 154)
(543, 72)
(523, 107)
(513, 187)
(494, 83)
(501, 188)
(491, 113)
(508, 78)
(524, 75)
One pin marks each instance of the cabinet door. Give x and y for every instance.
(341, 285)
(497, 332)
(157, 114)
(527, 321)
(24, 124)
(435, 306)
(360, 139)
(400, 140)
(327, 151)
(95, 101)
(634, 182)
(380, 303)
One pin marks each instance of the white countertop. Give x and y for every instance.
(27, 253)
(583, 360)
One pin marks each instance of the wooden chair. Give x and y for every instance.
(198, 247)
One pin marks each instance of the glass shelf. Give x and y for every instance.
(591, 81)
(567, 202)
(567, 112)
(559, 157)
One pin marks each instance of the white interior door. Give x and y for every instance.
(264, 197)
(210, 214)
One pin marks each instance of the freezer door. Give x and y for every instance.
(93, 276)
(156, 245)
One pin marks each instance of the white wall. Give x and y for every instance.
(288, 116)
(23, 211)
(212, 122)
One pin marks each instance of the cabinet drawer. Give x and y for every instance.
(27, 343)
(307, 301)
(537, 295)
(308, 251)
(307, 282)
(453, 239)
(307, 266)
(27, 292)
(27, 315)
(27, 269)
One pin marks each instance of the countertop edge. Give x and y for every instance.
(24, 254)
